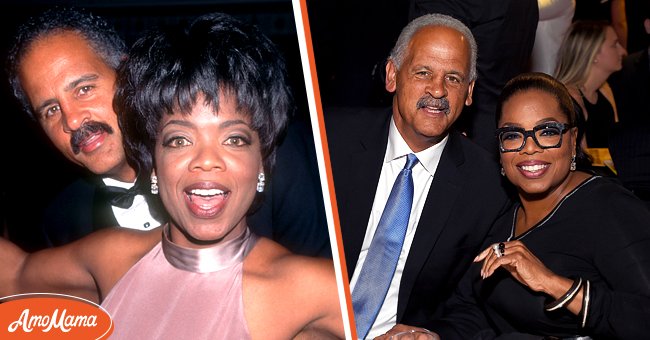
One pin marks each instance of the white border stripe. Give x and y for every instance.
(313, 113)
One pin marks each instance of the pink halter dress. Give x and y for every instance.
(181, 293)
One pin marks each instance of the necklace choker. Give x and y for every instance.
(211, 259)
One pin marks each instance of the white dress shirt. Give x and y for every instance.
(138, 215)
(423, 173)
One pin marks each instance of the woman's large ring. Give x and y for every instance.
(502, 248)
(497, 251)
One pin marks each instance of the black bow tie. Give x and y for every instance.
(120, 197)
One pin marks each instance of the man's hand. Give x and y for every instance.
(408, 332)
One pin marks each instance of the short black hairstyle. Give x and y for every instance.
(169, 69)
(101, 36)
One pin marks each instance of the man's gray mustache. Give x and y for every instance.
(428, 101)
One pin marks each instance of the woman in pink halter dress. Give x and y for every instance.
(201, 109)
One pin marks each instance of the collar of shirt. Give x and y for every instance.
(138, 215)
(397, 148)
(116, 183)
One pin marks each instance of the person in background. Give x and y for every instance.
(573, 261)
(631, 84)
(590, 53)
(201, 108)
(78, 53)
(505, 33)
(555, 17)
(629, 142)
(449, 194)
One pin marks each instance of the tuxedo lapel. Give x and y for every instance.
(442, 197)
(102, 215)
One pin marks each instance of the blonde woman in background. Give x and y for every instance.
(589, 54)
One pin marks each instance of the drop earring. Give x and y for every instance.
(573, 163)
(503, 171)
(154, 185)
(260, 182)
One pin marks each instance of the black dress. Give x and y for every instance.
(599, 122)
(600, 232)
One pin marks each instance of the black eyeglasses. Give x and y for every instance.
(546, 136)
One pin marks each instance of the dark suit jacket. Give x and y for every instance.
(465, 198)
(76, 212)
(81, 208)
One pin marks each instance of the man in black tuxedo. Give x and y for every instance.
(62, 71)
(457, 188)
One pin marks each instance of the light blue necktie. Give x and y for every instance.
(378, 268)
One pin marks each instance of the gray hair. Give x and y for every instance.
(399, 51)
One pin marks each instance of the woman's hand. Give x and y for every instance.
(519, 262)
(526, 268)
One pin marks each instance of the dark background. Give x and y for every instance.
(33, 171)
(351, 41)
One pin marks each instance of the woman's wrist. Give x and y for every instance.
(555, 286)
(566, 298)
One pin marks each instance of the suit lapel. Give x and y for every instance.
(445, 190)
(365, 160)
(102, 210)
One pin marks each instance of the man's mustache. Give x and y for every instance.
(441, 104)
(89, 128)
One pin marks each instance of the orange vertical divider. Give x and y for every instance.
(328, 168)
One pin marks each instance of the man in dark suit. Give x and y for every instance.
(629, 141)
(457, 188)
(62, 71)
(505, 34)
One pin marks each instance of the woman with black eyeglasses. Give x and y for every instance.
(572, 258)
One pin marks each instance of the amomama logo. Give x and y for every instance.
(52, 316)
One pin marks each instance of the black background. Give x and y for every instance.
(351, 41)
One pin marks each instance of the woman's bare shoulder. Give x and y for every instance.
(301, 288)
(270, 259)
(109, 253)
(112, 242)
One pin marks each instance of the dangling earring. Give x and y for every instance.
(154, 185)
(260, 182)
(573, 163)
(503, 171)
